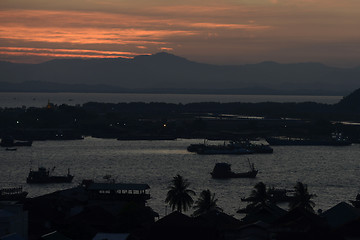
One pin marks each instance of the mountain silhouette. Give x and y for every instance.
(167, 72)
(350, 102)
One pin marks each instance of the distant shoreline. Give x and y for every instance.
(40, 99)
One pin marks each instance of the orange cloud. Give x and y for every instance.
(229, 26)
(59, 55)
(166, 49)
(68, 51)
(99, 28)
(65, 53)
(246, 29)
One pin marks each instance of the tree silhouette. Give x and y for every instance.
(302, 198)
(179, 196)
(259, 195)
(206, 203)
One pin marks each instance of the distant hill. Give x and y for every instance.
(350, 102)
(167, 73)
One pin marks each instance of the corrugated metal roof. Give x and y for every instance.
(342, 213)
(118, 186)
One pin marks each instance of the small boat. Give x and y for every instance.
(12, 194)
(10, 142)
(42, 175)
(356, 202)
(336, 139)
(223, 171)
(11, 149)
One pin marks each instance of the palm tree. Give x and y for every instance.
(179, 196)
(302, 198)
(259, 195)
(206, 203)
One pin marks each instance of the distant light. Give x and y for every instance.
(17, 122)
(164, 125)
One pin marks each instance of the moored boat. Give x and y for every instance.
(10, 142)
(336, 139)
(42, 175)
(10, 149)
(232, 147)
(229, 148)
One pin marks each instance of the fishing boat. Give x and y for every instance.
(223, 171)
(12, 194)
(42, 175)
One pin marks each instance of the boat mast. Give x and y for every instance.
(252, 167)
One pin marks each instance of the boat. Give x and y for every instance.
(42, 175)
(230, 148)
(195, 147)
(12, 194)
(220, 150)
(335, 140)
(223, 171)
(233, 147)
(10, 142)
(10, 149)
(255, 147)
(356, 202)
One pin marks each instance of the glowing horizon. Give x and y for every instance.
(219, 33)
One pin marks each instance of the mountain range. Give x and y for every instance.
(167, 73)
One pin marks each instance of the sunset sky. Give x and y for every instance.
(217, 32)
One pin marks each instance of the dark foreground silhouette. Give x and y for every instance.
(119, 209)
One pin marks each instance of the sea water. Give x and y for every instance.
(330, 172)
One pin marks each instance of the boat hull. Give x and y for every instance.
(250, 174)
(306, 142)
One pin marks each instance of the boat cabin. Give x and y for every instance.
(42, 175)
(222, 170)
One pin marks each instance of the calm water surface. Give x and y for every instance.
(41, 99)
(330, 172)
